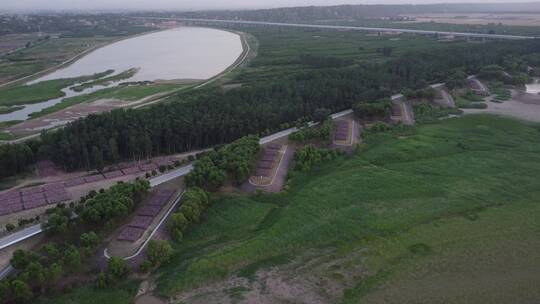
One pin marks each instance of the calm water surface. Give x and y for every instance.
(180, 53)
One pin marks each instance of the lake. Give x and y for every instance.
(179, 53)
(185, 53)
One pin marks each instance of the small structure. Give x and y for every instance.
(344, 133)
(267, 165)
(477, 86)
(401, 112)
(145, 216)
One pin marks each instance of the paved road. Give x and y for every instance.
(156, 181)
(340, 27)
(19, 236)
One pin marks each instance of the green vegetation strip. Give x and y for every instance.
(451, 171)
(42, 91)
(106, 80)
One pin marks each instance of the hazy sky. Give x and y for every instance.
(197, 4)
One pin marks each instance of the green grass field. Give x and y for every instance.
(122, 294)
(42, 91)
(456, 199)
(279, 50)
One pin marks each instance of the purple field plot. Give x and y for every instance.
(94, 178)
(164, 162)
(113, 174)
(31, 190)
(268, 157)
(141, 221)
(167, 193)
(75, 182)
(131, 170)
(10, 201)
(262, 172)
(9, 209)
(32, 197)
(34, 204)
(10, 195)
(148, 167)
(157, 201)
(130, 234)
(273, 147)
(149, 210)
(58, 187)
(270, 152)
(53, 198)
(265, 164)
(340, 137)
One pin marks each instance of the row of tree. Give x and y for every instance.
(194, 202)
(214, 117)
(234, 161)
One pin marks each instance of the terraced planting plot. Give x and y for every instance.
(130, 234)
(145, 215)
(267, 165)
(342, 132)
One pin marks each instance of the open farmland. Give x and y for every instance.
(377, 218)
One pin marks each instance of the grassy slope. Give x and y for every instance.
(429, 182)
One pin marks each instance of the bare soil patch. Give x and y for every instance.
(522, 106)
(64, 116)
(319, 277)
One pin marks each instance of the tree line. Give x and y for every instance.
(214, 117)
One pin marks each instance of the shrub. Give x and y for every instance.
(159, 252)
(145, 266)
(117, 269)
(10, 227)
(306, 158)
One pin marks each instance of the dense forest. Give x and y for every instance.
(213, 117)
